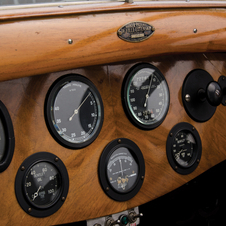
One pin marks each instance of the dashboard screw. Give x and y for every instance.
(22, 168)
(29, 210)
(195, 30)
(176, 167)
(193, 128)
(171, 134)
(63, 199)
(198, 160)
(142, 177)
(119, 141)
(56, 159)
(107, 188)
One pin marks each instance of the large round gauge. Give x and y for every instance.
(41, 184)
(184, 148)
(74, 111)
(121, 169)
(145, 96)
(7, 140)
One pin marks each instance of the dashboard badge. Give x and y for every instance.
(135, 31)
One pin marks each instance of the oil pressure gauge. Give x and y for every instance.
(184, 148)
(41, 184)
(145, 96)
(121, 169)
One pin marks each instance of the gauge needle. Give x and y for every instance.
(36, 193)
(147, 95)
(121, 166)
(76, 110)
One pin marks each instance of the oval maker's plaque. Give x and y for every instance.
(135, 31)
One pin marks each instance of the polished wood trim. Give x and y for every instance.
(40, 45)
(65, 8)
(25, 98)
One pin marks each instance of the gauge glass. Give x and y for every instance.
(2, 141)
(122, 170)
(42, 184)
(183, 148)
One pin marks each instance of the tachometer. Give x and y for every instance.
(145, 96)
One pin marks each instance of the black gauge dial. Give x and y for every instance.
(121, 169)
(7, 140)
(145, 96)
(41, 184)
(184, 148)
(74, 111)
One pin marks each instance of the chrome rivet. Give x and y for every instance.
(195, 30)
(187, 98)
(70, 41)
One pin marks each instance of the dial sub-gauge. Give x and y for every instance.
(74, 111)
(184, 148)
(41, 184)
(121, 169)
(145, 96)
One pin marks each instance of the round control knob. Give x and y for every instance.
(214, 93)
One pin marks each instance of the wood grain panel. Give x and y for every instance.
(35, 46)
(25, 98)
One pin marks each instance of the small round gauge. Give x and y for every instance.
(41, 184)
(145, 96)
(74, 111)
(184, 148)
(7, 140)
(121, 169)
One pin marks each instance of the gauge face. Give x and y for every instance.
(42, 184)
(74, 111)
(184, 148)
(122, 170)
(145, 96)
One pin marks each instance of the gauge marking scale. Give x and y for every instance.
(121, 169)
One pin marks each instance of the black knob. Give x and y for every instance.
(214, 93)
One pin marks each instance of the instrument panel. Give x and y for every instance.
(86, 192)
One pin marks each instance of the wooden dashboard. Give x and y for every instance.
(35, 52)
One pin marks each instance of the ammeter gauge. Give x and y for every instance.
(145, 96)
(41, 184)
(184, 148)
(74, 111)
(121, 169)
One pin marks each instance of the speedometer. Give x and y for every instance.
(145, 96)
